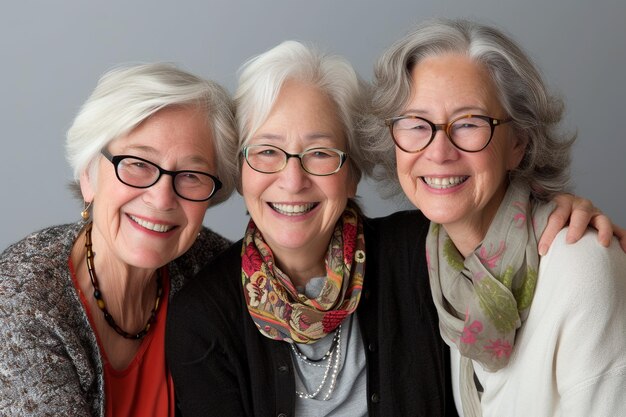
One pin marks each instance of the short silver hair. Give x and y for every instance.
(262, 77)
(127, 95)
(522, 93)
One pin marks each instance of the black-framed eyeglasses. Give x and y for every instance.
(140, 173)
(469, 133)
(269, 159)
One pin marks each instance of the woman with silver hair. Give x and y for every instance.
(83, 306)
(529, 335)
(287, 321)
(317, 310)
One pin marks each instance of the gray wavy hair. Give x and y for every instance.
(262, 77)
(522, 93)
(127, 95)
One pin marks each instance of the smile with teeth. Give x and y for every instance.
(443, 183)
(161, 228)
(293, 209)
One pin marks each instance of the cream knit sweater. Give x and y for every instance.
(569, 358)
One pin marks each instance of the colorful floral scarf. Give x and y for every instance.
(483, 299)
(278, 310)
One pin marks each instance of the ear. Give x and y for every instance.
(87, 189)
(517, 151)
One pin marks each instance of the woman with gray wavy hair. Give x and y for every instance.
(83, 305)
(478, 150)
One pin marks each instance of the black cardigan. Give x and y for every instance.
(223, 366)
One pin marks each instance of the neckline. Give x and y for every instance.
(145, 342)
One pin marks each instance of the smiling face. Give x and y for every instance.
(458, 189)
(149, 227)
(296, 211)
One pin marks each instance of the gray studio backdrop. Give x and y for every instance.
(53, 52)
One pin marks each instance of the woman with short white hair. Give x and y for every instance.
(83, 305)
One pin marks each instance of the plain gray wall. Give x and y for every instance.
(53, 52)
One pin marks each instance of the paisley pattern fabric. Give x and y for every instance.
(275, 305)
(483, 299)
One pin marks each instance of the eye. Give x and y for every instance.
(263, 152)
(411, 124)
(136, 166)
(189, 177)
(267, 152)
(464, 125)
(322, 153)
(133, 163)
(470, 123)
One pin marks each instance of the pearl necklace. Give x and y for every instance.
(97, 294)
(333, 357)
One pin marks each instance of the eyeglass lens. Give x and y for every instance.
(467, 133)
(316, 161)
(190, 185)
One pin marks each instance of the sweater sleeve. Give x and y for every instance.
(38, 375)
(590, 361)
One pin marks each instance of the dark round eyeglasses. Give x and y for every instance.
(269, 159)
(469, 133)
(140, 173)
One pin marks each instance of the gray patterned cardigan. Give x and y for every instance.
(50, 364)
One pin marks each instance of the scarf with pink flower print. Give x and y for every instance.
(483, 299)
(279, 311)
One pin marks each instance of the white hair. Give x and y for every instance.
(126, 96)
(262, 77)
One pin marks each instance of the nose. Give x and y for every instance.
(161, 195)
(441, 148)
(293, 177)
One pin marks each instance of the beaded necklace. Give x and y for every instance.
(97, 293)
(332, 367)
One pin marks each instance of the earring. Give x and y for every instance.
(85, 213)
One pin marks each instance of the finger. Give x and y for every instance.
(605, 228)
(557, 220)
(621, 235)
(578, 223)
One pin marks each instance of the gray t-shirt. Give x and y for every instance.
(349, 397)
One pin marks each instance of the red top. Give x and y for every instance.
(144, 388)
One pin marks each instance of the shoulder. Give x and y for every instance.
(207, 245)
(401, 223)
(45, 243)
(585, 256)
(208, 239)
(217, 274)
(216, 283)
(397, 238)
(407, 218)
(36, 260)
(585, 270)
(210, 303)
(396, 256)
